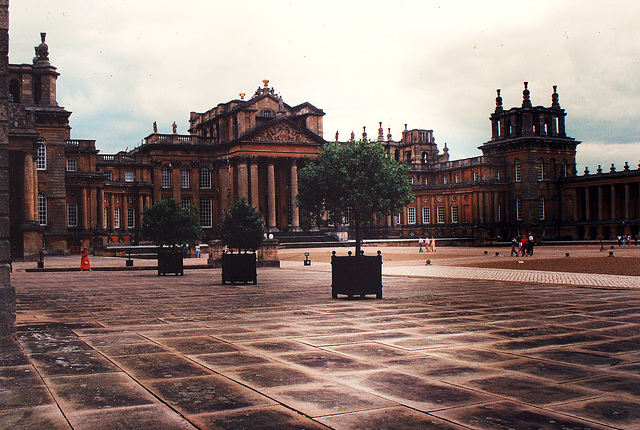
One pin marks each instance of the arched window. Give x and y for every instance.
(267, 113)
(184, 177)
(14, 91)
(425, 158)
(563, 169)
(42, 209)
(205, 177)
(540, 169)
(516, 170)
(518, 209)
(541, 208)
(41, 161)
(166, 177)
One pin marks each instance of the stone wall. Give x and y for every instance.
(7, 292)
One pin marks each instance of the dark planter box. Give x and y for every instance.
(170, 261)
(356, 275)
(239, 268)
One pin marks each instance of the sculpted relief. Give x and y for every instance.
(280, 133)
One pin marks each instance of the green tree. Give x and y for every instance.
(356, 180)
(242, 227)
(166, 223)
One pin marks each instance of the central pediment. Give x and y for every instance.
(282, 131)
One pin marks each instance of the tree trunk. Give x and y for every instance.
(358, 235)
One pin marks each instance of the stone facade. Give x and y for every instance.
(65, 194)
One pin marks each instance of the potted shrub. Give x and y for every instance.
(356, 180)
(170, 227)
(241, 229)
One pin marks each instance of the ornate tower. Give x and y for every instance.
(532, 143)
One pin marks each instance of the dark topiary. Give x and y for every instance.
(242, 227)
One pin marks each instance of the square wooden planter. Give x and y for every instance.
(170, 261)
(356, 275)
(239, 268)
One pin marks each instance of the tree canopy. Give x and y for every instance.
(242, 227)
(167, 223)
(357, 180)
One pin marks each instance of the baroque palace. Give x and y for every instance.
(64, 193)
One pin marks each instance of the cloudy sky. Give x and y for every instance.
(428, 64)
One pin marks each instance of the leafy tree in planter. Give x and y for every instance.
(242, 227)
(166, 223)
(356, 180)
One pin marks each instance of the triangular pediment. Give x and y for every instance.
(282, 131)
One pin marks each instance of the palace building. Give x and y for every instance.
(65, 194)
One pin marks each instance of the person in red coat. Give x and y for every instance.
(84, 261)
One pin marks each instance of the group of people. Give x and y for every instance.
(522, 247)
(427, 244)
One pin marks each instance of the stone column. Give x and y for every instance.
(271, 197)
(124, 223)
(101, 221)
(255, 190)
(614, 212)
(176, 181)
(7, 291)
(225, 191)
(93, 207)
(112, 212)
(243, 180)
(295, 212)
(600, 202)
(84, 213)
(627, 200)
(28, 189)
(140, 209)
(587, 204)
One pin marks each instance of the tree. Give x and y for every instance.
(166, 223)
(242, 227)
(356, 180)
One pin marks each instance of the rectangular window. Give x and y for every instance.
(105, 219)
(445, 180)
(497, 175)
(411, 180)
(411, 215)
(131, 218)
(440, 210)
(476, 176)
(166, 177)
(398, 218)
(42, 209)
(205, 178)
(41, 160)
(128, 176)
(206, 219)
(499, 212)
(184, 178)
(186, 202)
(454, 214)
(424, 181)
(72, 214)
(72, 165)
(456, 178)
(116, 218)
(426, 215)
(109, 175)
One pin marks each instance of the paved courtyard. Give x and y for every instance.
(448, 347)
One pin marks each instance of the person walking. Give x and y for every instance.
(514, 246)
(530, 244)
(84, 261)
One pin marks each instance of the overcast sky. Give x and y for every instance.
(428, 64)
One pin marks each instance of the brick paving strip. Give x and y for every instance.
(510, 275)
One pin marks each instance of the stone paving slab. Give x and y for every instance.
(111, 350)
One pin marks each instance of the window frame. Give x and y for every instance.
(411, 215)
(205, 178)
(206, 212)
(518, 207)
(42, 209)
(454, 214)
(166, 177)
(426, 215)
(129, 176)
(72, 215)
(517, 170)
(441, 215)
(184, 177)
(41, 156)
(131, 218)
